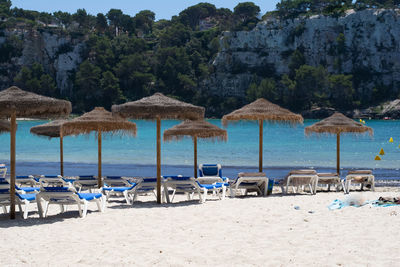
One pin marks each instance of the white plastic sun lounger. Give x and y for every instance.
(67, 196)
(214, 184)
(149, 185)
(120, 188)
(300, 178)
(184, 184)
(363, 177)
(250, 181)
(330, 179)
(25, 199)
(86, 182)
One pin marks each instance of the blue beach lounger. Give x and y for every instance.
(149, 185)
(127, 190)
(211, 171)
(25, 184)
(67, 196)
(25, 199)
(86, 182)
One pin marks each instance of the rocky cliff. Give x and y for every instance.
(364, 43)
(60, 54)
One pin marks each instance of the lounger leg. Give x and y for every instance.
(173, 195)
(232, 192)
(62, 208)
(85, 206)
(46, 208)
(125, 193)
(205, 193)
(311, 189)
(79, 208)
(373, 183)
(98, 203)
(39, 205)
(4, 209)
(223, 192)
(201, 199)
(166, 193)
(26, 209)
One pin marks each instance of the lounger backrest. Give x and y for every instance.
(4, 184)
(360, 172)
(86, 177)
(310, 172)
(210, 170)
(116, 181)
(3, 170)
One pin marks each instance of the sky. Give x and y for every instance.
(164, 9)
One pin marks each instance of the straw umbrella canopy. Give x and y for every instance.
(261, 110)
(14, 103)
(5, 126)
(98, 120)
(337, 124)
(195, 129)
(52, 130)
(158, 107)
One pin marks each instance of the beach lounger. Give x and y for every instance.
(120, 188)
(299, 178)
(26, 184)
(67, 196)
(25, 199)
(52, 180)
(362, 177)
(184, 184)
(330, 179)
(250, 182)
(86, 182)
(211, 170)
(148, 184)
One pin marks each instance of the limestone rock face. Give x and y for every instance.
(59, 54)
(364, 41)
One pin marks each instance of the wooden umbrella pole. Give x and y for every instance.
(12, 163)
(338, 153)
(158, 160)
(260, 157)
(195, 156)
(99, 180)
(61, 155)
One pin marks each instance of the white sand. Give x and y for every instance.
(236, 232)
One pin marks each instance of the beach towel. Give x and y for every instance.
(386, 202)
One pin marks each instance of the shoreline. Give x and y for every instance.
(149, 170)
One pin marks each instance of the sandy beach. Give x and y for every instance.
(251, 231)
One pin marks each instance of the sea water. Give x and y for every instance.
(285, 147)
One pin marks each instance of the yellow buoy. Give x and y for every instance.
(377, 157)
(360, 120)
(381, 152)
(391, 140)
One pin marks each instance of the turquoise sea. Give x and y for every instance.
(285, 148)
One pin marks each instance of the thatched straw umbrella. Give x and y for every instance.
(337, 124)
(195, 129)
(5, 126)
(51, 130)
(261, 110)
(158, 107)
(14, 103)
(98, 120)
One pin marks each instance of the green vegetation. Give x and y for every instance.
(129, 57)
